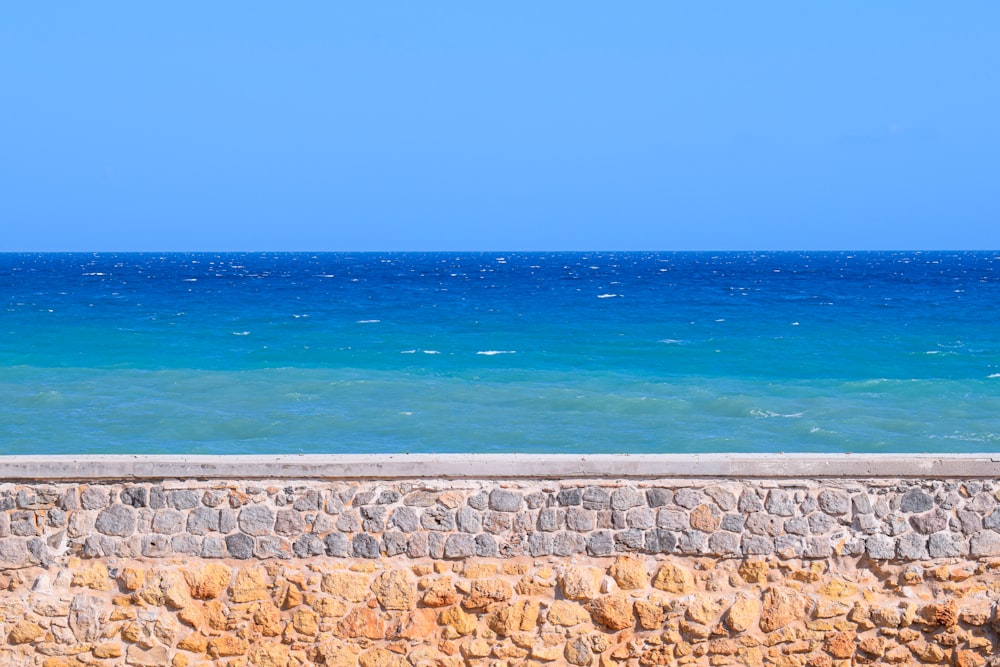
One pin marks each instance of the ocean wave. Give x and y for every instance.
(607, 296)
(490, 353)
(767, 414)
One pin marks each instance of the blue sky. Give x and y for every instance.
(514, 125)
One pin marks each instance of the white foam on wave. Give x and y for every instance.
(368, 321)
(490, 353)
(671, 341)
(767, 414)
(407, 351)
(431, 352)
(190, 280)
(94, 273)
(993, 375)
(607, 296)
(241, 333)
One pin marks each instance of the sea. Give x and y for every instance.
(492, 352)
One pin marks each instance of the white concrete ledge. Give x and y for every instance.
(500, 466)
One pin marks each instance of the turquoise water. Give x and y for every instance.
(494, 352)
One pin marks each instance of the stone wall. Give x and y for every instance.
(414, 572)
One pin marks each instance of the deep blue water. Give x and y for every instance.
(476, 352)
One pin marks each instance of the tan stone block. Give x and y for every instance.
(267, 617)
(269, 655)
(395, 590)
(629, 572)
(754, 571)
(154, 657)
(215, 615)
(94, 577)
(180, 660)
(743, 614)
(132, 578)
(838, 589)
(521, 615)
(192, 615)
(306, 622)
(839, 644)
(580, 583)
(208, 582)
(131, 632)
(194, 642)
(440, 592)
(226, 646)
(109, 650)
(477, 648)
(419, 624)
(25, 632)
(484, 592)
(349, 586)
(166, 629)
(705, 609)
(532, 586)
(474, 570)
(673, 578)
(328, 607)
(567, 613)
(546, 653)
(612, 611)
(780, 608)
(703, 519)
(456, 618)
(249, 585)
(362, 622)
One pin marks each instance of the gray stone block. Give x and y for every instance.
(763, 523)
(373, 518)
(725, 499)
(435, 545)
(486, 546)
(985, 543)
(732, 522)
(365, 546)
(95, 497)
(136, 496)
(569, 497)
(880, 547)
(393, 543)
(540, 544)
(438, 518)
(641, 517)
(550, 519)
(468, 520)
(567, 543)
(239, 545)
(779, 502)
(23, 524)
(688, 498)
(750, 502)
(596, 498)
(183, 499)
(693, 543)
(536, 500)
(931, 522)
(289, 523)
(600, 543)
(186, 544)
(798, 525)
(915, 500)
(502, 500)
(405, 519)
(459, 545)
(118, 520)
(946, 545)
(659, 497)
(349, 521)
(213, 546)
(626, 498)
(202, 520)
(417, 545)
(256, 520)
(580, 519)
(834, 502)
(168, 522)
(673, 520)
(757, 545)
(724, 544)
(912, 546)
(821, 524)
(660, 541)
